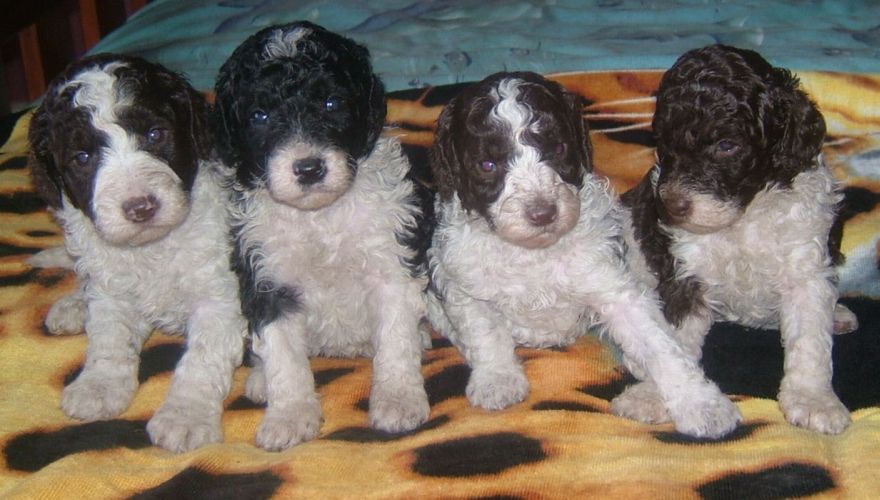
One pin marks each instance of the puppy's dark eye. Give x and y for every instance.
(726, 146)
(488, 166)
(82, 158)
(561, 149)
(156, 135)
(259, 117)
(332, 104)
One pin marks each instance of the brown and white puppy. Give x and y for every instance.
(736, 222)
(122, 153)
(528, 250)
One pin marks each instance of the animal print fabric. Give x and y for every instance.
(561, 442)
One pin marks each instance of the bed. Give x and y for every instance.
(562, 441)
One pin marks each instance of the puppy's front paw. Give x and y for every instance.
(185, 426)
(255, 387)
(67, 316)
(704, 413)
(496, 390)
(642, 402)
(398, 410)
(820, 411)
(96, 397)
(284, 427)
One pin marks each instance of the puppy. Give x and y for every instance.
(122, 153)
(322, 214)
(733, 223)
(528, 250)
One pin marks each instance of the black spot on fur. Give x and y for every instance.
(779, 481)
(742, 431)
(195, 483)
(566, 406)
(154, 361)
(478, 455)
(368, 435)
(611, 389)
(261, 302)
(447, 384)
(34, 450)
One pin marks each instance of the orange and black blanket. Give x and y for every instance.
(562, 442)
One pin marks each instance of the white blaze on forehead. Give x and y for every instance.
(281, 44)
(97, 91)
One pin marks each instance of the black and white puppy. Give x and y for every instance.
(122, 152)
(528, 250)
(735, 222)
(322, 214)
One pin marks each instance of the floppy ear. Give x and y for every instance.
(444, 161)
(224, 116)
(581, 129)
(192, 105)
(44, 171)
(794, 127)
(377, 110)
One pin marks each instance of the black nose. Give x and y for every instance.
(677, 206)
(140, 208)
(309, 171)
(541, 213)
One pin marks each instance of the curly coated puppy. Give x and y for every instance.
(528, 250)
(122, 153)
(735, 223)
(323, 213)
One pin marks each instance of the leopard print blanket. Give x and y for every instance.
(561, 442)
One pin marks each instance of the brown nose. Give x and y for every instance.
(140, 208)
(541, 213)
(677, 206)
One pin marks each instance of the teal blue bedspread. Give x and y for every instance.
(434, 42)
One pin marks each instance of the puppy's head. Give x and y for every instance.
(514, 149)
(727, 125)
(297, 107)
(120, 139)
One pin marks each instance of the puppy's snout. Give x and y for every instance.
(140, 208)
(676, 205)
(542, 213)
(309, 170)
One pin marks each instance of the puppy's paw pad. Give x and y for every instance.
(819, 411)
(255, 387)
(641, 402)
(67, 316)
(283, 428)
(181, 428)
(497, 390)
(399, 411)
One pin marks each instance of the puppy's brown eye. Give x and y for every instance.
(488, 166)
(726, 146)
(156, 135)
(82, 158)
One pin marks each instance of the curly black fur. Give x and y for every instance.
(296, 99)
